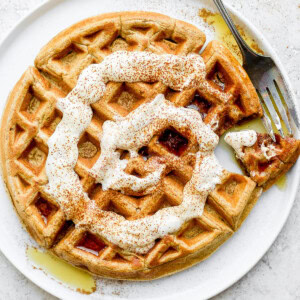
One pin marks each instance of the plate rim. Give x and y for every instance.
(37, 11)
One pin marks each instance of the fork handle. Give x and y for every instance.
(247, 53)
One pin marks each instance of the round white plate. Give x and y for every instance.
(223, 268)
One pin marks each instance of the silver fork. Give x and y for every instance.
(268, 81)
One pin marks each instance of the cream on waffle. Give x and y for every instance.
(264, 160)
(223, 95)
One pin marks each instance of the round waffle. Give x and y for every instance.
(31, 117)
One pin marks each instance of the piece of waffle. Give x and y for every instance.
(226, 74)
(266, 167)
(30, 118)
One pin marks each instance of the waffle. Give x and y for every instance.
(266, 167)
(31, 117)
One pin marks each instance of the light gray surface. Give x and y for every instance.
(277, 275)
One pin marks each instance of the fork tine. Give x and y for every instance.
(281, 109)
(268, 125)
(282, 87)
(266, 120)
(267, 100)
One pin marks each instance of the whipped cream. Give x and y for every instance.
(268, 151)
(130, 133)
(135, 131)
(239, 140)
(247, 138)
(140, 235)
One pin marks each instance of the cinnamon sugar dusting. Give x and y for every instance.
(135, 131)
(87, 150)
(131, 133)
(239, 140)
(247, 138)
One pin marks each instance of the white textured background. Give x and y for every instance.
(277, 275)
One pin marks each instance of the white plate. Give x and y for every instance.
(222, 269)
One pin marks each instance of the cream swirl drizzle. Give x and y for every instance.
(247, 138)
(130, 133)
(135, 131)
(239, 140)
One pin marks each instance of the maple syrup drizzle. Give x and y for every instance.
(64, 272)
(45, 208)
(173, 141)
(201, 105)
(91, 243)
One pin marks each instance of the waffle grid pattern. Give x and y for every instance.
(266, 171)
(31, 118)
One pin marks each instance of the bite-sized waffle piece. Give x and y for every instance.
(31, 117)
(266, 161)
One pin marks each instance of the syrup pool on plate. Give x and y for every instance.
(223, 33)
(73, 277)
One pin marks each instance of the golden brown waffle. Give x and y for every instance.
(265, 171)
(31, 117)
(226, 74)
